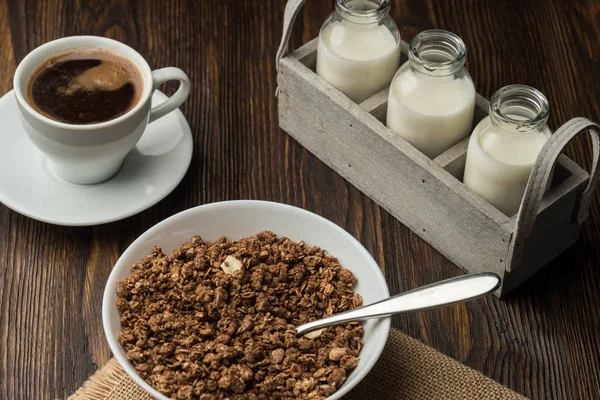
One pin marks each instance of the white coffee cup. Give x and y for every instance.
(92, 153)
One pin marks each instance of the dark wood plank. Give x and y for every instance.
(543, 341)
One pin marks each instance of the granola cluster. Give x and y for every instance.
(216, 320)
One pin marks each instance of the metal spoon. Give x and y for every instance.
(450, 291)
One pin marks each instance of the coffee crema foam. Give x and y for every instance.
(107, 76)
(84, 87)
(103, 77)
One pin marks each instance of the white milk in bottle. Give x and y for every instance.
(432, 97)
(359, 48)
(504, 146)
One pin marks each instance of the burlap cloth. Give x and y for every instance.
(407, 369)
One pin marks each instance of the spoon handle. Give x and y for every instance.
(450, 291)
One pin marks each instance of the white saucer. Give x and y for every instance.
(150, 172)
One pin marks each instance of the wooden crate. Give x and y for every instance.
(425, 195)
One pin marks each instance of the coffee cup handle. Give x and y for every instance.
(161, 76)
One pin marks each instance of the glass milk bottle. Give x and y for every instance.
(505, 145)
(432, 97)
(359, 48)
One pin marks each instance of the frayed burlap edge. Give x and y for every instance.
(110, 382)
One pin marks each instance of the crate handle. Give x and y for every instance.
(540, 177)
(292, 8)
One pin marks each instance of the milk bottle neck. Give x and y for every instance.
(437, 53)
(519, 110)
(363, 12)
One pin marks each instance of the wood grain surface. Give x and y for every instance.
(542, 341)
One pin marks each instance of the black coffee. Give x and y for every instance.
(85, 87)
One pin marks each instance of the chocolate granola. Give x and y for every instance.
(215, 320)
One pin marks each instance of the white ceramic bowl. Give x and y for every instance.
(237, 219)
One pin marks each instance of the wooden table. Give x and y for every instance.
(543, 341)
